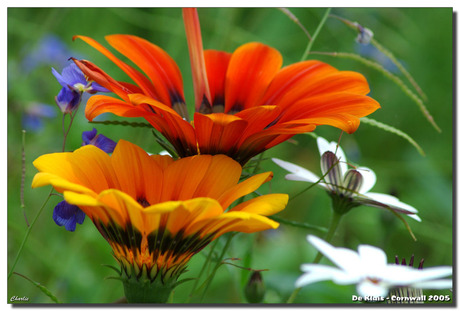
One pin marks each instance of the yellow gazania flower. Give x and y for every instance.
(156, 213)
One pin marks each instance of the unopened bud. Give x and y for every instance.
(255, 289)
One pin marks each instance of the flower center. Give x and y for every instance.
(374, 280)
(143, 201)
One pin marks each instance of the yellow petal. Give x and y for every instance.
(191, 211)
(60, 184)
(234, 221)
(266, 205)
(243, 188)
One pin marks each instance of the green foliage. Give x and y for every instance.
(419, 39)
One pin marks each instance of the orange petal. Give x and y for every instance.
(218, 132)
(303, 80)
(216, 68)
(195, 46)
(166, 120)
(156, 63)
(96, 74)
(182, 178)
(98, 104)
(200, 176)
(137, 77)
(134, 171)
(341, 110)
(223, 173)
(250, 71)
(258, 118)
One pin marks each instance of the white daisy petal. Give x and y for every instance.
(427, 274)
(369, 179)
(316, 273)
(391, 201)
(416, 217)
(306, 175)
(342, 257)
(437, 284)
(341, 156)
(368, 288)
(324, 145)
(369, 270)
(372, 255)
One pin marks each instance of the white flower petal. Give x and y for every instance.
(316, 273)
(374, 289)
(438, 284)
(405, 275)
(372, 257)
(369, 179)
(301, 178)
(427, 274)
(415, 217)
(324, 145)
(342, 158)
(391, 201)
(344, 258)
(300, 172)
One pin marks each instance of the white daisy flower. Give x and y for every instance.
(347, 187)
(369, 270)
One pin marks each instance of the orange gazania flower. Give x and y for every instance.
(156, 213)
(245, 102)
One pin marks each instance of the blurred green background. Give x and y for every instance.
(70, 264)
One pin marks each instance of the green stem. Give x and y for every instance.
(208, 259)
(27, 235)
(298, 224)
(310, 43)
(23, 176)
(218, 263)
(333, 227)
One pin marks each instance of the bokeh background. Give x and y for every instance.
(69, 264)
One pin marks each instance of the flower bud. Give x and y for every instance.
(255, 289)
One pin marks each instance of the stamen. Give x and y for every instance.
(411, 263)
(420, 266)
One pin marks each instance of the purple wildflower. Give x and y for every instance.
(68, 215)
(98, 140)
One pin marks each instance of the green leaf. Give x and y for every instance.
(40, 287)
(166, 145)
(393, 130)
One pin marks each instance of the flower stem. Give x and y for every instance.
(197, 280)
(332, 228)
(27, 235)
(318, 29)
(218, 264)
(23, 176)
